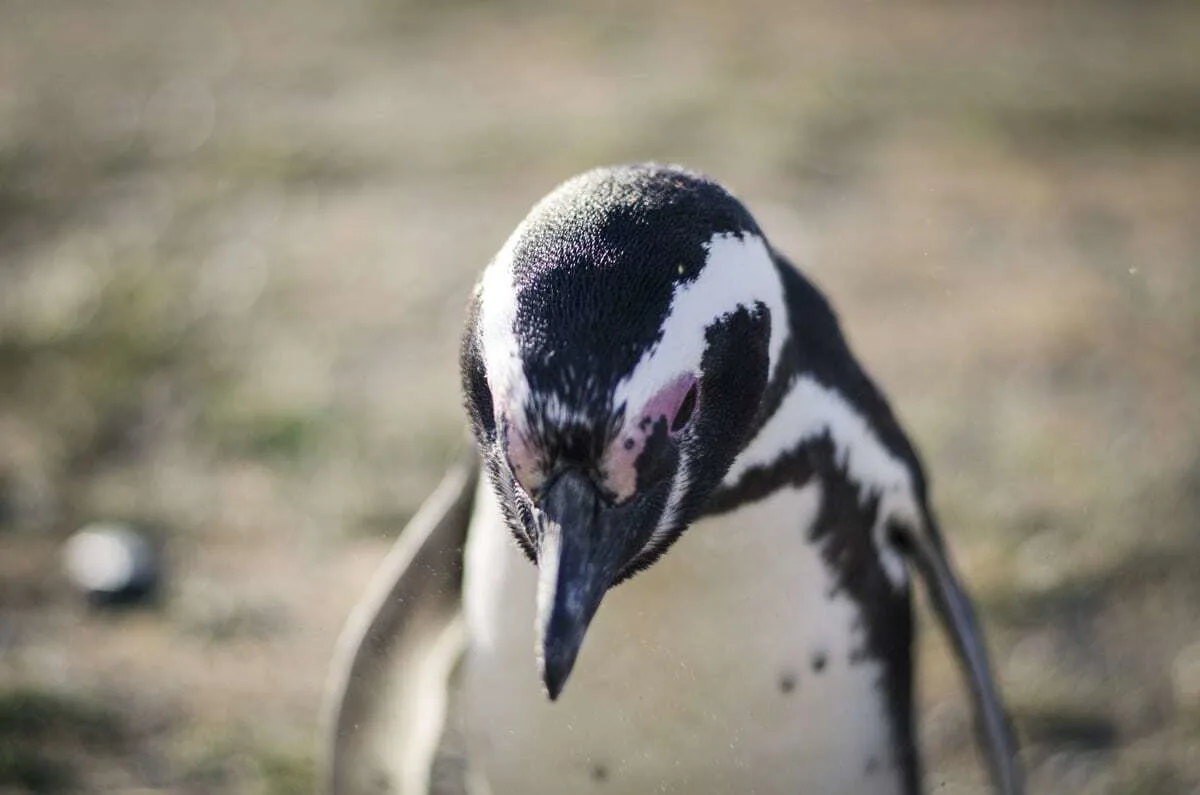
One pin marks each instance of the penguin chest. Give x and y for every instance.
(729, 666)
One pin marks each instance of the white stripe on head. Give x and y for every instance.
(738, 272)
(497, 329)
(808, 411)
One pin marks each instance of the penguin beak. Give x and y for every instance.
(581, 550)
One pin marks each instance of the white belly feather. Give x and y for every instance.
(697, 676)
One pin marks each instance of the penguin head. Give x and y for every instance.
(617, 353)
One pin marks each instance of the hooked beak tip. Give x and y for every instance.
(557, 661)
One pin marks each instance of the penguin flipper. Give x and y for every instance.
(957, 617)
(386, 695)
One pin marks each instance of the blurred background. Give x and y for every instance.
(235, 243)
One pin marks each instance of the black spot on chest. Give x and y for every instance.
(843, 532)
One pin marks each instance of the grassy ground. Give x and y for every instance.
(235, 239)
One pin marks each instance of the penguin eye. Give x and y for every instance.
(684, 413)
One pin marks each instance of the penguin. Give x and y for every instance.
(679, 555)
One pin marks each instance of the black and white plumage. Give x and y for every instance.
(712, 507)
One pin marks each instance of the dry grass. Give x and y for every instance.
(235, 239)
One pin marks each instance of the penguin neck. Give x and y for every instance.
(823, 422)
(819, 404)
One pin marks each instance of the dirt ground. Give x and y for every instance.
(235, 243)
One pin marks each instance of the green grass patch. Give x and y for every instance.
(34, 714)
(1066, 726)
(286, 773)
(1082, 596)
(42, 731)
(32, 770)
(241, 429)
(1149, 779)
(1127, 121)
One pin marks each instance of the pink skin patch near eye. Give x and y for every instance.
(524, 459)
(620, 460)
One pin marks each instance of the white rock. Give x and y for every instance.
(109, 559)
